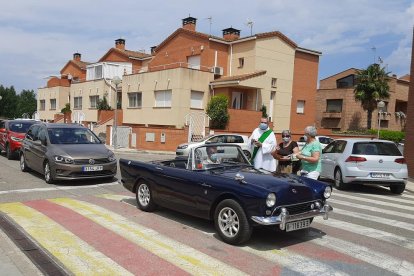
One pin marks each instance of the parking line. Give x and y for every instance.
(57, 188)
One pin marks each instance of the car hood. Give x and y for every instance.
(284, 185)
(82, 151)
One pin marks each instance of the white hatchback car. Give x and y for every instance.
(241, 140)
(364, 161)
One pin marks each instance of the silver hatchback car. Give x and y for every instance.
(364, 161)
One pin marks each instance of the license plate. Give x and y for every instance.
(92, 168)
(296, 225)
(380, 175)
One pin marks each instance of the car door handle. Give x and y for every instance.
(160, 169)
(206, 185)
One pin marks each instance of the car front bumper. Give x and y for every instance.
(284, 216)
(71, 171)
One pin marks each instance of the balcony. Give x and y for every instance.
(332, 115)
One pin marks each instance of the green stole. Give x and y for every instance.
(261, 140)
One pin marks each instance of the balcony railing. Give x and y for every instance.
(327, 114)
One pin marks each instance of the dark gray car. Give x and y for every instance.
(66, 152)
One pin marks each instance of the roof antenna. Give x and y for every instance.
(210, 19)
(250, 23)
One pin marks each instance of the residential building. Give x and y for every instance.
(336, 108)
(170, 88)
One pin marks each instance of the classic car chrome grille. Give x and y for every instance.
(296, 208)
(86, 161)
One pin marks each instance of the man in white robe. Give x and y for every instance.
(263, 158)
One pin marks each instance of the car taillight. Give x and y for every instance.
(400, 161)
(355, 159)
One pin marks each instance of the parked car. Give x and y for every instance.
(241, 140)
(66, 152)
(227, 190)
(364, 161)
(324, 140)
(12, 133)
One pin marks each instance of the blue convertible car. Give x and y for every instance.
(217, 182)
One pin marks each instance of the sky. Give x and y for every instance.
(38, 37)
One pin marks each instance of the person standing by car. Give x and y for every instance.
(263, 143)
(310, 154)
(285, 154)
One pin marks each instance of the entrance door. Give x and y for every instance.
(237, 100)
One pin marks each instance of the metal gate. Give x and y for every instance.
(123, 133)
(196, 123)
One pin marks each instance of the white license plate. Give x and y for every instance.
(92, 168)
(380, 175)
(296, 225)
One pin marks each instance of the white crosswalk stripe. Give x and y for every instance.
(367, 200)
(395, 199)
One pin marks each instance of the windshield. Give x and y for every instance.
(72, 136)
(213, 156)
(20, 127)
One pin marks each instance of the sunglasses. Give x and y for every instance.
(283, 136)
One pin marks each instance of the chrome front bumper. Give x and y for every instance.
(284, 216)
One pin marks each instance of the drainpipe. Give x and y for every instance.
(231, 57)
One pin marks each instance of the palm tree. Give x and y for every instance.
(371, 86)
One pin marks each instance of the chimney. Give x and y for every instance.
(120, 43)
(189, 23)
(153, 50)
(231, 34)
(77, 56)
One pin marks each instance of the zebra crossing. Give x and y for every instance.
(106, 234)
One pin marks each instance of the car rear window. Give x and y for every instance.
(21, 127)
(376, 148)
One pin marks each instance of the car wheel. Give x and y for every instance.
(339, 184)
(144, 197)
(23, 164)
(9, 153)
(397, 189)
(231, 222)
(48, 173)
(247, 153)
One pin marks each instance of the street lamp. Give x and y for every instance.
(380, 105)
(116, 80)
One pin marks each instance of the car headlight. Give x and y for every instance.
(111, 158)
(183, 147)
(328, 191)
(63, 159)
(16, 139)
(271, 200)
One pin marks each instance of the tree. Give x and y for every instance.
(264, 111)
(217, 111)
(26, 102)
(371, 86)
(103, 104)
(66, 109)
(8, 102)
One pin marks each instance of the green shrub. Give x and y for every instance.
(391, 135)
(217, 111)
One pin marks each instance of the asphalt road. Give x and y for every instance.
(370, 232)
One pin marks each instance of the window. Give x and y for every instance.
(163, 98)
(52, 104)
(346, 82)
(42, 105)
(274, 82)
(93, 101)
(241, 62)
(194, 62)
(77, 103)
(196, 99)
(300, 107)
(135, 100)
(98, 72)
(334, 105)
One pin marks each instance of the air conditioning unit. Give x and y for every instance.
(217, 70)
